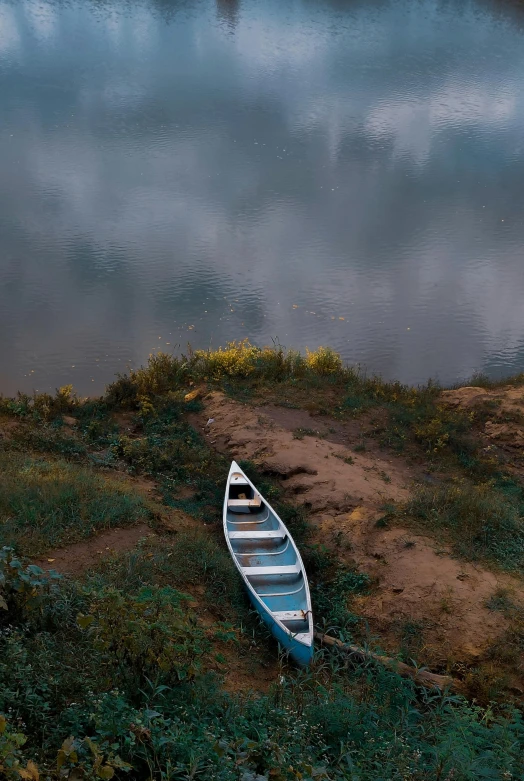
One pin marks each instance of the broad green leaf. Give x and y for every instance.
(34, 570)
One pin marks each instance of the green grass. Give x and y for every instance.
(483, 381)
(482, 522)
(185, 561)
(332, 595)
(109, 677)
(47, 503)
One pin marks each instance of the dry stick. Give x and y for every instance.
(422, 677)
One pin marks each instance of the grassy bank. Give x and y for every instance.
(115, 673)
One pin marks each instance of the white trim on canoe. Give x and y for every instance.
(238, 477)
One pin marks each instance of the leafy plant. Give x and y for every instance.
(331, 598)
(147, 634)
(23, 589)
(12, 766)
(85, 759)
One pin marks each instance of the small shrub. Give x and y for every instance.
(23, 590)
(331, 598)
(148, 634)
(12, 766)
(42, 406)
(324, 361)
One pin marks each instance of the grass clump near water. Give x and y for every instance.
(406, 418)
(47, 503)
(319, 381)
(242, 362)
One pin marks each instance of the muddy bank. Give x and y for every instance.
(417, 580)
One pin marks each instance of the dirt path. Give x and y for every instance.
(77, 558)
(420, 585)
(327, 476)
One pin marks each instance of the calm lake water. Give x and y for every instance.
(342, 173)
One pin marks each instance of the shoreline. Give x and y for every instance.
(407, 505)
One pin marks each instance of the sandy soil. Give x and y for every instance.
(417, 578)
(313, 468)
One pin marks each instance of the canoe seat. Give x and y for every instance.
(292, 569)
(254, 535)
(290, 615)
(256, 502)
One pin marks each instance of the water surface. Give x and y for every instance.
(343, 173)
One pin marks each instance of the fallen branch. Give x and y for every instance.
(422, 677)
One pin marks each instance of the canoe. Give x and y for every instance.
(270, 565)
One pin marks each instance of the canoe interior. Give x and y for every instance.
(279, 592)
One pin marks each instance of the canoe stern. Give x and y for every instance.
(299, 646)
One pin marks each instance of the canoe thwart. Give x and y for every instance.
(256, 535)
(254, 519)
(291, 615)
(256, 502)
(290, 569)
(281, 593)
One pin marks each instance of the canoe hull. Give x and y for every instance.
(301, 653)
(270, 565)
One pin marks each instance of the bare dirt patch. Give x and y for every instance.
(418, 580)
(81, 556)
(126, 422)
(338, 432)
(420, 583)
(325, 475)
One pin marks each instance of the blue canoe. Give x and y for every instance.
(270, 565)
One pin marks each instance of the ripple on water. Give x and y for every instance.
(346, 175)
